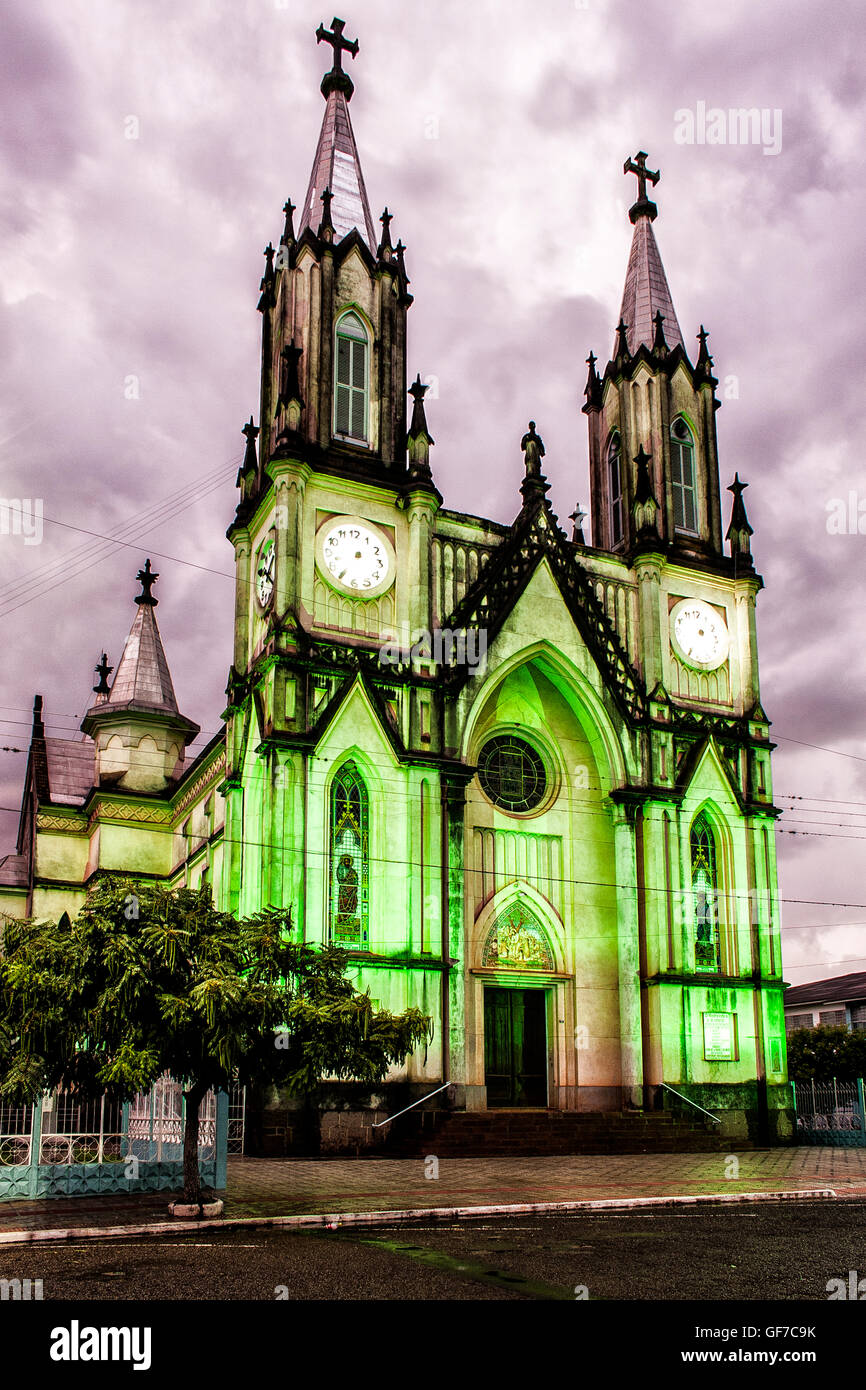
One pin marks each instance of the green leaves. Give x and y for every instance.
(146, 980)
(824, 1053)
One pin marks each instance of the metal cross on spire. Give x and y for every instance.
(337, 78)
(643, 207)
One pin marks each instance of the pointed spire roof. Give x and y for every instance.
(336, 165)
(143, 680)
(646, 291)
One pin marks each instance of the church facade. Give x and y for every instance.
(524, 779)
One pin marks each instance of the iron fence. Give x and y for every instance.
(830, 1113)
(63, 1145)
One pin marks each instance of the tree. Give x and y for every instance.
(824, 1053)
(147, 980)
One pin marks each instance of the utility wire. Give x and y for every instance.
(146, 517)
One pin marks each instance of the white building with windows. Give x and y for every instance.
(839, 1002)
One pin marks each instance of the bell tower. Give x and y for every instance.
(333, 301)
(654, 471)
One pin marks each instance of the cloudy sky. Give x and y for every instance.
(146, 151)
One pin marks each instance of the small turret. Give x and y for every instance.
(138, 730)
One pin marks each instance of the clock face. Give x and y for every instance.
(699, 635)
(264, 580)
(355, 557)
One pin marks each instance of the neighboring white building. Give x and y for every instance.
(839, 1002)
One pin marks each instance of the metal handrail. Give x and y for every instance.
(412, 1106)
(713, 1117)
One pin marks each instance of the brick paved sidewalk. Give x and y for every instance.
(286, 1187)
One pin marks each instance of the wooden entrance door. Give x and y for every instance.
(515, 1047)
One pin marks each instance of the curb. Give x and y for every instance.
(330, 1221)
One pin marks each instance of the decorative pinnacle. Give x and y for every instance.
(660, 346)
(704, 358)
(250, 463)
(578, 516)
(419, 439)
(418, 390)
(592, 390)
(326, 223)
(643, 207)
(337, 80)
(289, 229)
(739, 520)
(739, 531)
(399, 251)
(290, 385)
(385, 244)
(147, 578)
(622, 340)
(643, 486)
(103, 671)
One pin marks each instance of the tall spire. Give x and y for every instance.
(336, 166)
(646, 288)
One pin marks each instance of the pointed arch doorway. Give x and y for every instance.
(515, 1011)
(515, 1047)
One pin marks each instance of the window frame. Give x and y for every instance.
(349, 770)
(684, 447)
(533, 750)
(702, 826)
(348, 437)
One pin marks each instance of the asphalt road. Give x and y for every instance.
(784, 1251)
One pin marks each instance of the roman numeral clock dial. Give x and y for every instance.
(355, 557)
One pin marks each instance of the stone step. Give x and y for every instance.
(540, 1132)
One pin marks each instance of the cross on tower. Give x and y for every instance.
(337, 80)
(337, 42)
(643, 207)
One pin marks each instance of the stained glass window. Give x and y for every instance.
(705, 896)
(683, 477)
(512, 774)
(349, 880)
(350, 385)
(518, 940)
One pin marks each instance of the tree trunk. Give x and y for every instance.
(191, 1175)
(312, 1141)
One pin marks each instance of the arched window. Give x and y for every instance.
(351, 379)
(705, 895)
(350, 860)
(614, 474)
(683, 478)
